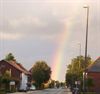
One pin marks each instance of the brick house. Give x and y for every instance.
(18, 73)
(93, 72)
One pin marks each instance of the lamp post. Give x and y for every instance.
(83, 81)
(84, 78)
(79, 54)
(87, 8)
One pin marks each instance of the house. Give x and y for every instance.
(20, 77)
(93, 72)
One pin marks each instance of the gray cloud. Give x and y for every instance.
(31, 28)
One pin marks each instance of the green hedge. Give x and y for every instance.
(2, 91)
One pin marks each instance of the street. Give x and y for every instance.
(47, 91)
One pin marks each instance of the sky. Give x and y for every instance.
(48, 30)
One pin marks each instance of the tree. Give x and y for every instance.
(6, 77)
(41, 73)
(76, 68)
(52, 84)
(10, 57)
(57, 84)
(62, 84)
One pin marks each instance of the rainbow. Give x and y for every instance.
(63, 39)
(58, 56)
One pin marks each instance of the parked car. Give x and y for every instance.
(32, 87)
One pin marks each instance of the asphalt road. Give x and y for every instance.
(47, 91)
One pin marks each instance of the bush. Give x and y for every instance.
(2, 91)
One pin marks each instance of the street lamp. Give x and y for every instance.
(87, 8)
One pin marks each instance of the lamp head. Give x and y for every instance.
(86, 6)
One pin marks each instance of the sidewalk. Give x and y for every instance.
(28, 92)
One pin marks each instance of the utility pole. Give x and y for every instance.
(79, 49)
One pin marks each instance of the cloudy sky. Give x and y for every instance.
(41, 29)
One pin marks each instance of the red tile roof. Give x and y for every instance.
(18, 66)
